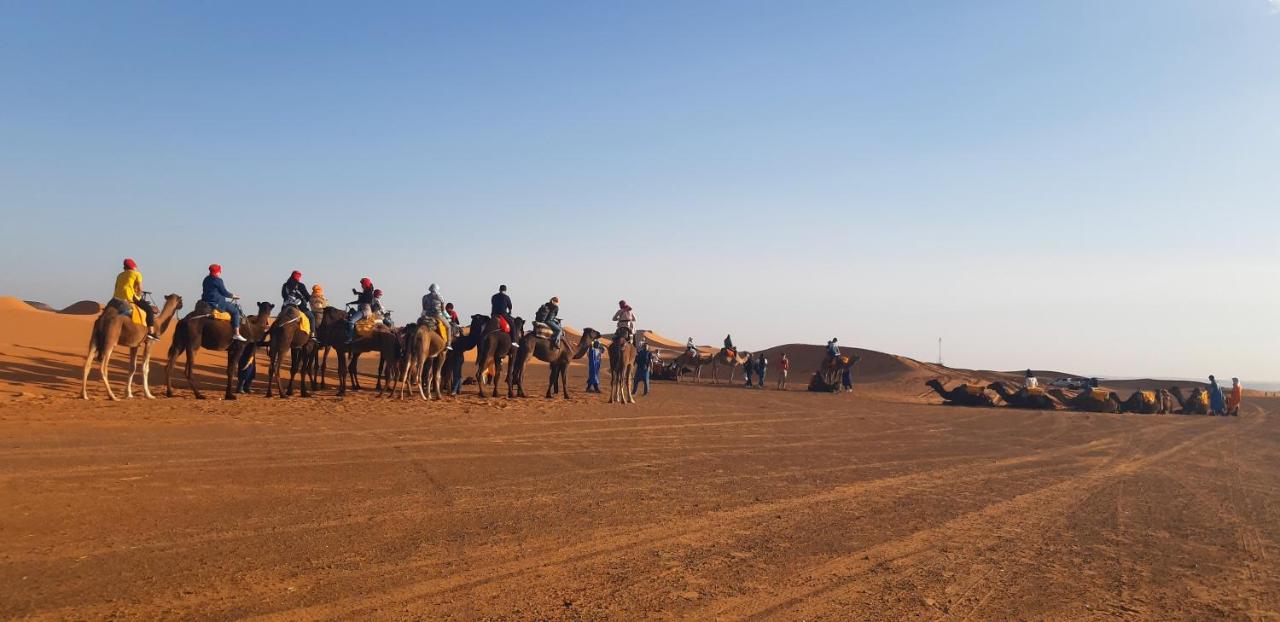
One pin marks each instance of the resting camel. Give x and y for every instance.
(287, 334)
(112, 330)
(423, 343)
(1142, 402)
(492, 347)
(1089, 400)
(622, 363)
(963, 395)
(692, 359)
(200, 330)
(1197, 404)
(1032, 399)
(540, 347)
(724, 359)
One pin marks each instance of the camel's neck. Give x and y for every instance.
(937, 387)
(167, 313)
(1001, 390)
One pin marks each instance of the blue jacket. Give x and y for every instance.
(213, 291)
(594, 355)
(1217, 401)
(643, 359)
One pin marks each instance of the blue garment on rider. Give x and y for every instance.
(833, 349)
(556, 330)
(213, 291)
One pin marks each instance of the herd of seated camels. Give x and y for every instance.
(1147, 402)
(413, 355)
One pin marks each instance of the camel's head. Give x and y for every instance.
(478, 321)
(175, 299)
(935, 383)
(517, 328)
(589, 335)
(264, 308)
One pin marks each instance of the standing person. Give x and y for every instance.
(784, 368)
(1030, 381)
(1217, 401)
(644, 365)
(214, 293)
(295, 294)
(595, 355)
(762, 365)
(549, 314)
(500, 306)
(128, 291)
(1234, 399)
(747, 367)
(846, 379)
(626, 319)
(364, 306)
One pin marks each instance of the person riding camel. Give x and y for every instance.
(453, 315)
(214, 293)
(380, 310)
(318, 301)
(728, 345)
(363, 306)
(500, 307)
(128, 291)
(295, 294)
(626, 320)
(690, 348)
(833, 350)
(433, 308)
(549, 314)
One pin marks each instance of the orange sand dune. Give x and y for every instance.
(84, 307)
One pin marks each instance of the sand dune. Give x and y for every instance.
(39, 306)
(84, 307)
(9, 303)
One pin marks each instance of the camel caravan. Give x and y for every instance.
(1090, 399)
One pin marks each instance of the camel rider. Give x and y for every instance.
(129, 292)
(690, 348)
(433, 308)
(833, 350)
(363, 306)
(626, 320)
(549, 314)
(728, 344)
(381, 311)
(1030, 381)
(500, 306)
(318, 301)
(295, 294)
(214, 293)
(453, 315)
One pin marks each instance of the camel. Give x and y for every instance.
(461, 345)
(963, 395)
(1197, 404)
(333, 332)
(622, 363)
(287, 334)
(691, 359)
(1142, 402)
(558, 358)
(423, 343)
(1032, 399)
(199, 330)
(1089, 400)
(492, 347)
(724, 359)
(112, 330)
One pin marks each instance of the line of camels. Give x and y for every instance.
(410, 356)
(1147, 402)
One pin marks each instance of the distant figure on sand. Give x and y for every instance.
(846, 379)
(1030, 380)
(594, 357)
(762, 365)
(1233, 400)
(784, 368)
(1217, 401)
(644, 365)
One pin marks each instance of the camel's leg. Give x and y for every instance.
(417, 374)
(564, 379)
(102, 369)
(233, 365)
(630, 386)
(191, 383)
(480, 372)
(146, 371)
(88, 365)
(133, 371)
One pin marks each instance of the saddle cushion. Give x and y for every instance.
(366, 326)
(972, 389)
(1035, 391)
(220, 315)
(1100, 395)
(303, 323)
(541, 330)
(1147, 397)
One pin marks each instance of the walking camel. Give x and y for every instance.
(112, 330)
(724, 358)
(622, 363)
(492, 347)
(423, 344)
(201, 330)
(692, 359)
(287, 334)
(540, 347)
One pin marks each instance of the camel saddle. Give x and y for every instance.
(972, 389)
(541, 330)
(1203, 398)
(203, 308)
(366, 326)
(133, 310)
(1100, 395)
(436, 324)
(1036, 391)
(1148, 397)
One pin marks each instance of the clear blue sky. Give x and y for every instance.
(1089, 185)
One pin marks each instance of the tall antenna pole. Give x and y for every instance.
(939, 351)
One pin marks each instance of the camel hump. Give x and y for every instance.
(1035, 391)
(971, 389)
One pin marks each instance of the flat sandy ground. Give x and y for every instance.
(699, 503)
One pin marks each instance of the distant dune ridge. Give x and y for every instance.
(84, 307)
(39, 305)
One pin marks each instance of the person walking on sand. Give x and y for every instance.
(762, 366)
(1217, 401)
(784, 367)
(644, 364)
(1234, 398)
(595, 354)
(214, 293)
(128, 291)
(1030, 381)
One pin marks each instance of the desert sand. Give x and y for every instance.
(701, 502)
